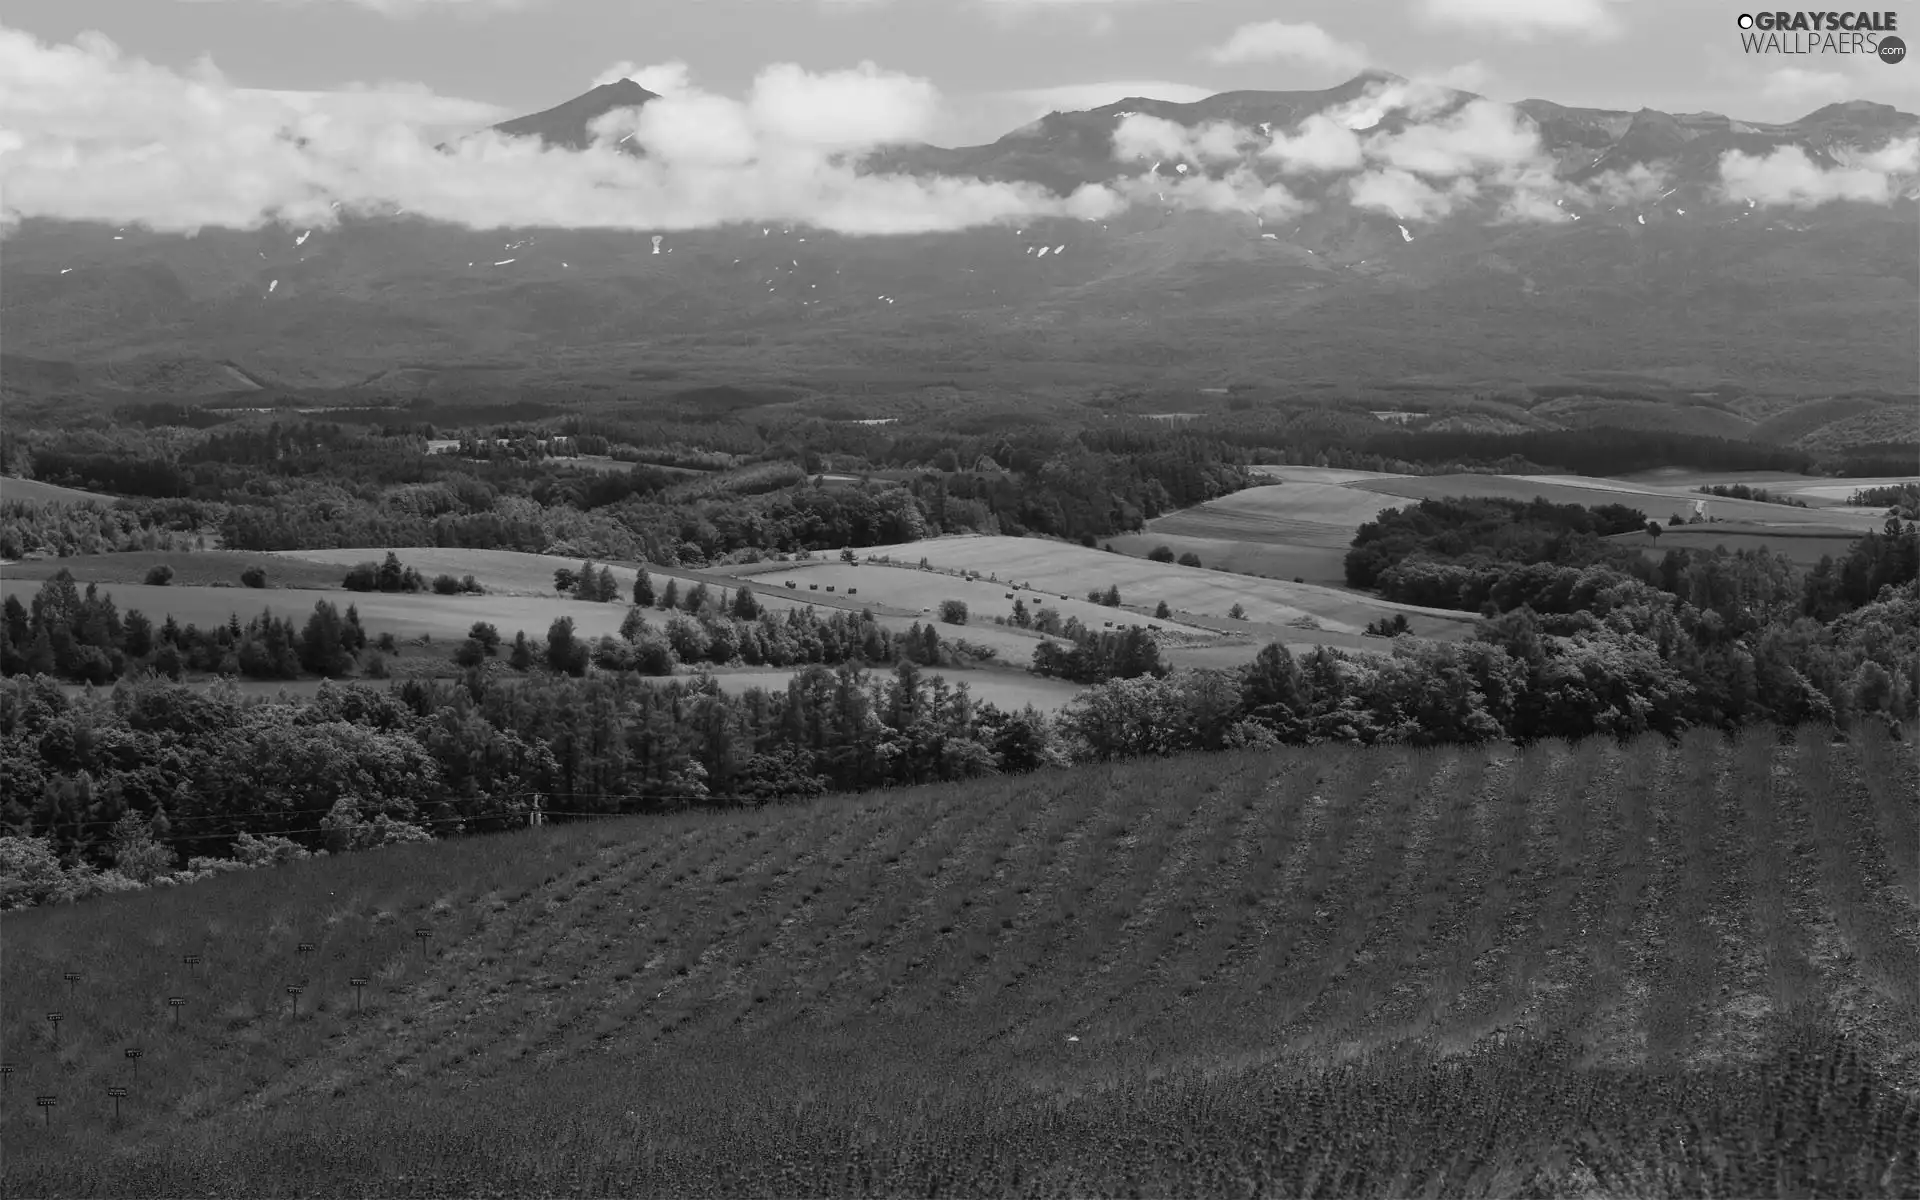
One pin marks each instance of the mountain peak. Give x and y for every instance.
(569, 124)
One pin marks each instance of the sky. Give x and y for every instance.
(182, 114)
(996, 63)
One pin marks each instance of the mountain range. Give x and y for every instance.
(1689, 251)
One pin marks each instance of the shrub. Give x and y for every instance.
(254, 577)
(1162, 554)
(160, 576)
(1161, 610)
(1238, 612)
(953, 612)
(446, 585)
(1189, 559)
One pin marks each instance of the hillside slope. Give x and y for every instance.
(1597, 969)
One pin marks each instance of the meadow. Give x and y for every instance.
(33, 491)
(902, 585)
(1804, 545)
(1658, 503)
(1197, 596)
(1653, 969)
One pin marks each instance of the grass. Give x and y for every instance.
(1658, 503)
(1805, 546)
(33, 491)
(903, 586)
(1651, 969)
(1196, 595)
(1323, 565)
(199, 568)
(1297, 513)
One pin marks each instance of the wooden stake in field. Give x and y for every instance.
(293, 998)
(422, 934)
(46, 1104)
(55, 1018)
(6, 1070)
(72, 978)
(134, 1056)
(117, 1094)
(176, 1003)
(357, 982)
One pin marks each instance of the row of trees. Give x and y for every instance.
(83, 637)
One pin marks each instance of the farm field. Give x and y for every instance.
(1817, 490)
(32, 491)
(1192, 592)
(1303, 513)
(198, 568)
(1804, 547)
(1658, 504)
(1648, 969)
(1310, 564)
(405, 616)
(920, 591)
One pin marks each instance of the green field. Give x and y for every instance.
(32, 491)
(1307, 564)
(1193, 593)
(1657, 503)
(905, 586)
(1805, 547)
(199, 568)
(1655, 969)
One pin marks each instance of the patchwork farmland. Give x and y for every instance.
(1065, 571)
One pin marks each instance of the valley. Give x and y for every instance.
(1324, 634)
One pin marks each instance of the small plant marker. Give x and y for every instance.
(118, 1094)
(304, 948)
(72, 978)
(56, 1018)
(46, 1104)
(175, 1003)
(6, 1069)
(134, 1055)
(422, 934)
(293, 998)
(357, 982)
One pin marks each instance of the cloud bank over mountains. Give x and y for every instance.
(87, 133)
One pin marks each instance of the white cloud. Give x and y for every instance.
(1407, 196)
(1320, 144)
(1305, 44)
(1140, 137)
(861, 107)
(661, 78)
(95, 136)
(1638, 184)
(1786, 176)
(1523, 20)
(1481, 134)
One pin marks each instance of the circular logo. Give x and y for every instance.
(1746, 21)
(1892, 49)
